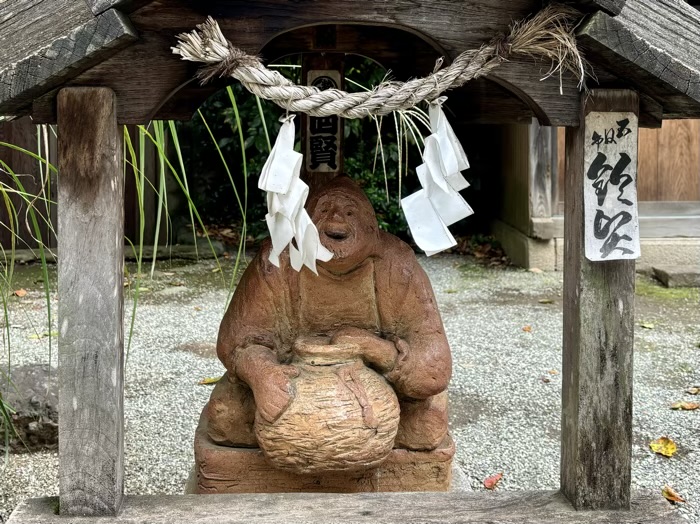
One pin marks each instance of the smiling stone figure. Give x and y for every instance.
(371, 304)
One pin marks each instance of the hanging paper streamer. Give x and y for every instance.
(439, 204)
(286, 217)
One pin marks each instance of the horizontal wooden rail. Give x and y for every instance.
(525, 507)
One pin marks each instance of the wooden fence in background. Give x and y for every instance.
(669, 162)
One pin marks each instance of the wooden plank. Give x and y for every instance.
(28, 25)
(679, 161)
(515, 177)
(21, 132)
(322, 138)
(523, 507)
(596, 452)
(90, 315)
(63, 59)
(542, 141)
(648, 169)
(640, 46)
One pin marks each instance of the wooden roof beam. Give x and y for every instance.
(62, 60)
(634, 52)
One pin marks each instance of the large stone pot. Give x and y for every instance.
(343, 416)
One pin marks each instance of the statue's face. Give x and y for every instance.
(347, 228)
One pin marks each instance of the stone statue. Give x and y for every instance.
(332, 371)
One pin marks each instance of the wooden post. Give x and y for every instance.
(90, 314)
(541, 177)
(598, 341)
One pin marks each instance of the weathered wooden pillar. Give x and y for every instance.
(90, 313)
(598, 335)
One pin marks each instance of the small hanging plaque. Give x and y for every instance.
(324, 133)
(610, 186)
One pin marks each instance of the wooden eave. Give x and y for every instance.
(630, 43)
(654, 47)
(55, 41)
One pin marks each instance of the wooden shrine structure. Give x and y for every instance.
(93, 65)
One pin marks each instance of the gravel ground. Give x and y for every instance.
(505, 391)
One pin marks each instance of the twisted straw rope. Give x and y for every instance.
(549, 35)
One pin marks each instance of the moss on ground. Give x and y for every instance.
(648, 287)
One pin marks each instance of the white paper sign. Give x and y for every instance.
(610, 187)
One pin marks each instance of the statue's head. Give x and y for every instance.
(346, 223)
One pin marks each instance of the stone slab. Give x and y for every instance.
(222, 469)
(678, 276)
(523, 507)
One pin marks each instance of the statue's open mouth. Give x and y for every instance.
(337, 234)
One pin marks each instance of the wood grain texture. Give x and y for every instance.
(641, 47)
(63, 59)
(598, 345)
(523, 507)
(90, 315)
(21, 132)
(334, 64)
(29, 25)
(541, 171)
(679, 161)
(648, 169)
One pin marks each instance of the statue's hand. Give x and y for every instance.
(270, 381)
(375, 351)
(273, 391)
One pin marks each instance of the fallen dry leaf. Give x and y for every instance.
(527, 329)
(546, 380)
(168, 274)
(695, 390)
(208, 381)
(546, 301)
(647, 325)
(685, 406)
(216, 270)
(670, 494)
(535, 270)
(177, 283)
(663, 446)
(492, 481)
(197, 308)
(553, 372)
(38, 336)
(20, 293)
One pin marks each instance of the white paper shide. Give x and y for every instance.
(610, 187)
(286, 218)
(438, 204)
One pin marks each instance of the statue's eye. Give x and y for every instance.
(349, 213)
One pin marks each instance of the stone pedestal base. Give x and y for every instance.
(222, 469)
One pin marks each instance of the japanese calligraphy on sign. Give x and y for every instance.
(610, 187)
(323, 144)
